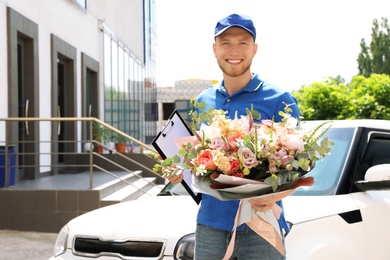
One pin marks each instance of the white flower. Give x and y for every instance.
(291, 122)
(210, 132)
(201, 170)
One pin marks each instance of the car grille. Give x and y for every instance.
(125, 249)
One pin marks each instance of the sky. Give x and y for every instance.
(299, 41)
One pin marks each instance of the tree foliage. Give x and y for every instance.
(363, 98)
(369, 97)
(375, 58)
(323, 100)
(366, 96)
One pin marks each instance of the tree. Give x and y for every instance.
(323, 100)
(375, 58)
(362, 98)
(369, 97)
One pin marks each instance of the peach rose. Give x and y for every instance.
(205, 157)
(232, 138)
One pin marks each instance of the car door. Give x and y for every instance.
(374, 204)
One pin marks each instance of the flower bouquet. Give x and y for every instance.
(239, 158)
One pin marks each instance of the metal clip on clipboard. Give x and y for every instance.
(167, 129)
(165, 145)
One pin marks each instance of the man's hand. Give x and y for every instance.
(263, 204)
(175, 179)
(266, 203)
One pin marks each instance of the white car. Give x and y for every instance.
(344, 215)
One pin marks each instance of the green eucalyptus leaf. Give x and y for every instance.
(182, 152)
(176, 159)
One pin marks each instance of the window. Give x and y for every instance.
(130, 91)
(183, 107)
(167, 110)
(151, 112)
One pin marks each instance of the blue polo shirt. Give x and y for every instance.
(268, 100)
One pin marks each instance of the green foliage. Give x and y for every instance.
(362, 98)
(375, 57)
(369, 97)
(119, 138)
(116, 137)
(323, 100)
(313, 136)
(198, 113)
(167, 167)
(98, 132)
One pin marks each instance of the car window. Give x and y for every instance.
(376, 152)
(327, 172)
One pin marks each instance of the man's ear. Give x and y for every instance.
(214, 49)
(254, 49)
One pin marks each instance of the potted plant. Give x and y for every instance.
(98, 135)
(120, 143)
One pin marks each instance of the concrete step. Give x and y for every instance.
(153, 191)
(116, 184)
(130, 192)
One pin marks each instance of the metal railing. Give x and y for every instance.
(19, 133)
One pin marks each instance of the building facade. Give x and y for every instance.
(178, 98)
(75, 58)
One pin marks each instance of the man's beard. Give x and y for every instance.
(234, 72)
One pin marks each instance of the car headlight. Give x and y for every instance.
(185, 248)
(61, 241)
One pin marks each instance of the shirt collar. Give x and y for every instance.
(253, 85)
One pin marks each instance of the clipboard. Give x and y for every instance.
(165, 145)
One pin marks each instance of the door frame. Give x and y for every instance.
(89, 66)
(61, 50)
(20, 28)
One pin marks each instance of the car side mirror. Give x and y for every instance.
(380, 172)
(376, 178)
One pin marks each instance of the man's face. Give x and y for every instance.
(234, 50)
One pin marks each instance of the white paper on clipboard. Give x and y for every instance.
(165, 145)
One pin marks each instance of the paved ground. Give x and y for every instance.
(20, 245)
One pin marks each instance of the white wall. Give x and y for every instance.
(79, 28)
(3, 66)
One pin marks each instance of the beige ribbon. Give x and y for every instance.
(260, 226)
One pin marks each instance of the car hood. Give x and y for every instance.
(305, 208)
(161, 217)
(171, 217)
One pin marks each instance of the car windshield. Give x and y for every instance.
(172, 189)
(326, 172)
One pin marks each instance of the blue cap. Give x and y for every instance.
(235, 20)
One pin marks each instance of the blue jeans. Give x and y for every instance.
(211, 244)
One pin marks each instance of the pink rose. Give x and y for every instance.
(282, 152)
(286, 159)
(248, 158)
(218, 144)
(273, 169)
(294, 143)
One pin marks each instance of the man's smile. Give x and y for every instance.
(233, 61)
